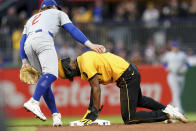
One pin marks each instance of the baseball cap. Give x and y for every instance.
(175, 43)
(49, 3)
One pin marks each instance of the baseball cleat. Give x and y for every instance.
(57, 119)
(168, 121)
(33, 106)
(174, 114)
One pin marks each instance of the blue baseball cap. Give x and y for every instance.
(49, 3)
(175, 43)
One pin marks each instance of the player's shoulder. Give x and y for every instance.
(85, 58)
(182, 53)
(169, 53)
(88, 56)
(30, 19)
(89, 53)
(50, 11)
(56, 11)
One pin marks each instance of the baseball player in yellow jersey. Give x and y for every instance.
(107, 68)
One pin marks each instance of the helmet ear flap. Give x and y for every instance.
(61, 72)
(68, 72)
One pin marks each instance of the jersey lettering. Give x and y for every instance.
(35, 19)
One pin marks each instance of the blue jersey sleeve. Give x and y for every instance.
(22, 42)
(187, 65)
(75, 32)
(165, 64)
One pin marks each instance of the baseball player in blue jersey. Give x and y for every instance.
(37, 50)
(175, 62)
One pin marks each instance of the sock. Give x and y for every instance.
(50, 101)
(43, 84)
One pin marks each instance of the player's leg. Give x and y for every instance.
(49, 62)
(180, 80)
(156, 115)
(32, 104)
(128, 104)
(39, 62)
(174, 86)
(149, 103)
(130, 96)
(50, 101)
(144, 101)
(32, 56)
(42, 86)
(159, 112)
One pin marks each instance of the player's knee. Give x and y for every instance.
(52, 72)
(47, 79)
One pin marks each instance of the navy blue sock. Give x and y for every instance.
(50, 101)
(43, 84)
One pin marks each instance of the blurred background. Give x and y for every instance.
(140, 31)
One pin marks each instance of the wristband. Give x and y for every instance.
(24, 61)
(88, 43)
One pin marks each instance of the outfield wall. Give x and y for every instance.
(73, 98)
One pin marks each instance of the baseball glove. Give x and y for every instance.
(29, 75)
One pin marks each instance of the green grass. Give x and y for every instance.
(191, 116)
(66, 120)
(35, 122)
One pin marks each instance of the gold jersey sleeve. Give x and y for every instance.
(107, 66)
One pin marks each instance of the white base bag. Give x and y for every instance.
(96, 122)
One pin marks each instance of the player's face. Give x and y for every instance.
(175, 49)
(54, 7)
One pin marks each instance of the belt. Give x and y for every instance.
(40, 30)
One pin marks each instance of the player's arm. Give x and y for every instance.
(22, 52)
(78, 35)
(186, 61)
(22, 42)
(165, 62)
(96, 91)
(185, 67)
(93, 109)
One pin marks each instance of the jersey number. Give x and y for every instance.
(35, 19)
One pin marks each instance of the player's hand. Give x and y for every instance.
(91, 115)
(97, 48)
(25, 64)
(86, 121)
(168, 70)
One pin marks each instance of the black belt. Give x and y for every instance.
(40, 30)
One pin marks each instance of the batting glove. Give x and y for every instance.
(91, 115)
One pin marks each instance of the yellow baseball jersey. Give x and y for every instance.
(107, 66)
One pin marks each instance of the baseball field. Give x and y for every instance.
(32, 124)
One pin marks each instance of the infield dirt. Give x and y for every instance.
(120, 127)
